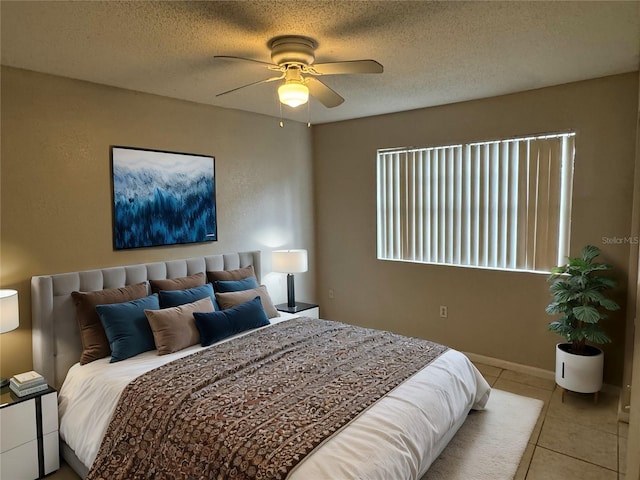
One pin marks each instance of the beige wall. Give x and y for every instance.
(632, 358)
(56, 202)
(56, 183)
(492, 313)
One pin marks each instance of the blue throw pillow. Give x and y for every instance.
(175, 298)
(225, 286)
(127, 327)
(216, 326)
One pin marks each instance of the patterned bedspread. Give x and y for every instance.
(253, 407)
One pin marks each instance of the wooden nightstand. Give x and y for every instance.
(28, 434)
(304, 309)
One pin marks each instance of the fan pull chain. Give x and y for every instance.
(309, 113)
(281, 122)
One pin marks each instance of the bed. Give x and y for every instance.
(396, 436)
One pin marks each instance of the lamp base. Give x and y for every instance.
(291, 292)
(4, 382)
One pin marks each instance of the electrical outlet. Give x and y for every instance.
(444, 312)
(331, 295)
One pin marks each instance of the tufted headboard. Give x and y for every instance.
(56, 335)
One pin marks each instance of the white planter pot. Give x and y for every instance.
(579, 373)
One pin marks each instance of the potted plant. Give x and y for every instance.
(578, 295)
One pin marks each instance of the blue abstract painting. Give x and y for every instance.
(162, 198)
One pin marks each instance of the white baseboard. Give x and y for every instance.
(526, 369)
(516, 367)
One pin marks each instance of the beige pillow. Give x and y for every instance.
(174, 328)
(231, 299)
(181, 283)
(95, 344)
(239, 274)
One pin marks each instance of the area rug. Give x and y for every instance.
(491, 442)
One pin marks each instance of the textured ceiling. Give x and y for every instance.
(433, 52)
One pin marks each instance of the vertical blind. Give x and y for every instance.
(500, 204)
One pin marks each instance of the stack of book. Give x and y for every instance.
(27, 383)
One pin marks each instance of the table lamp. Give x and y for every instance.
(290, 262)
(9, 317)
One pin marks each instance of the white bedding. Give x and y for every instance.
(382, 443)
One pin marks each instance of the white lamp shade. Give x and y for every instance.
(289, 261)
(9, 311)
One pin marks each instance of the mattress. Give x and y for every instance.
(398, 437)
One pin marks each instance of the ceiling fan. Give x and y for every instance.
(293, 56)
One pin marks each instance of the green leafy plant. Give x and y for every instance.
(577, 291)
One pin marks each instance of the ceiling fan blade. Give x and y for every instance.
(231, 57)
(324, 94)
(272, 79)
(353, 66)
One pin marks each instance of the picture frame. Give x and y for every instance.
(162, 198)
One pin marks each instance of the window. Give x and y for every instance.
(500, 204)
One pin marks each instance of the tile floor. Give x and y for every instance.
(574, 440)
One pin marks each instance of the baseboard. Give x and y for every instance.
(624, 405)
(623, 416)
(528, 370)
(516, 367)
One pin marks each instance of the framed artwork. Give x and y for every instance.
(162, 198)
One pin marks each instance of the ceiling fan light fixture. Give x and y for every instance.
(294, 57)
(293, 93)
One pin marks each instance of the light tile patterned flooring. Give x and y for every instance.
(574, 440)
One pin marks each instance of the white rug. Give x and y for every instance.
(490, 443)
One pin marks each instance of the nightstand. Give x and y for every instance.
(28, 434)
(304, 309)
